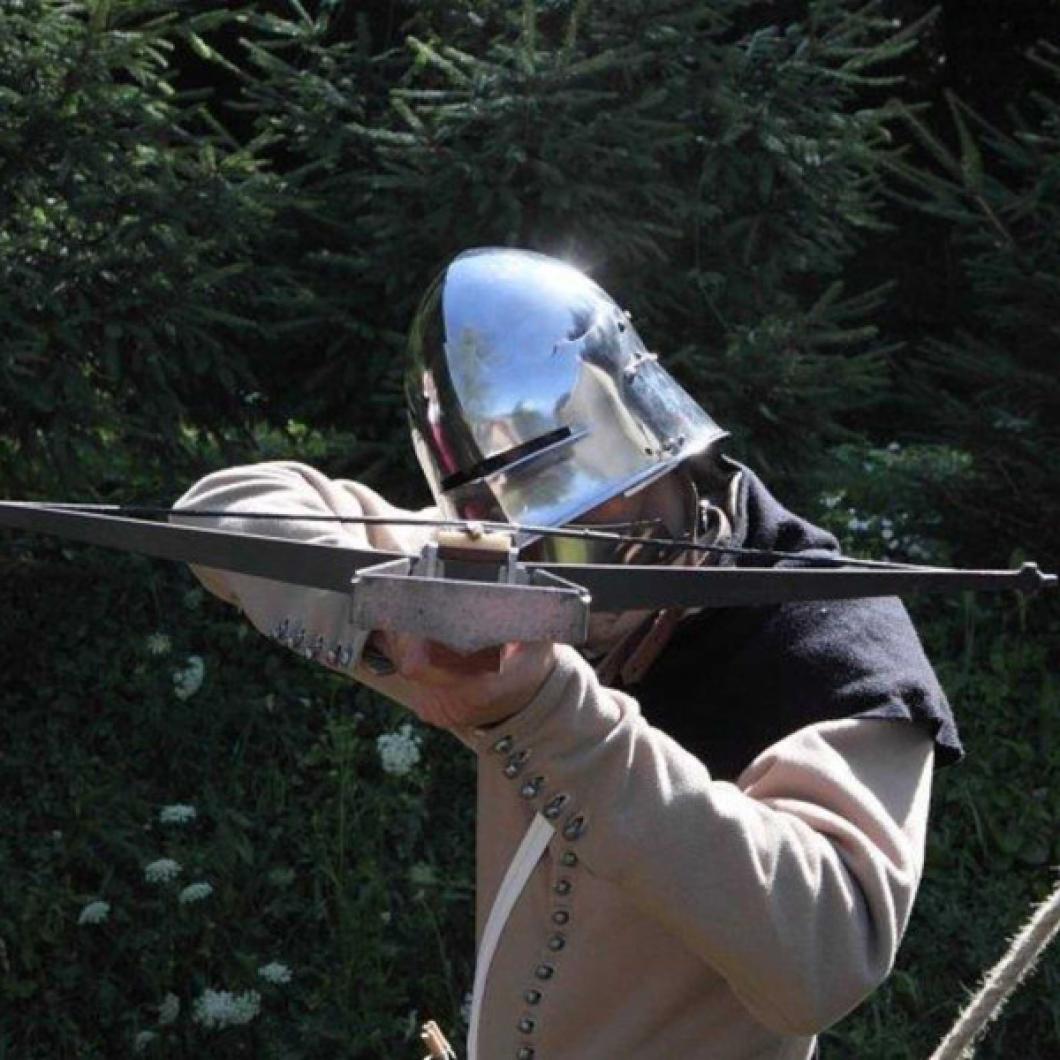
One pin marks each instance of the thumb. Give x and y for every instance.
(407, 653)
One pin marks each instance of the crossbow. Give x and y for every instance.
(470, 589)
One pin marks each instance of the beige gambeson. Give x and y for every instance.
(683, 917)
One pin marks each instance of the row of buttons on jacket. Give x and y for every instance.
(573, 828)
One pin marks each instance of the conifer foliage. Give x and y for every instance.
(991, 382)
(130, 228)
(710, 169)
(215, 223)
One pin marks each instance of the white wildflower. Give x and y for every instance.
(281, 876)
(275, 972)
(158, 644)
(422, 875)
(398, 751)
(95, 912)
(177, 813)
(188, 680)
(142, 1040)
(162, 871)
(169, 1010)
(195, 892)
(217, 1009)
(1006, 421)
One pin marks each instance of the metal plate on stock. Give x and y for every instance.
(466, 615)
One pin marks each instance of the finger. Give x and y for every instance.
(433, 662)
(409, 654)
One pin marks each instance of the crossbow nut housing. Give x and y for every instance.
(468, 592)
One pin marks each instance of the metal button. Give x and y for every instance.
(516, 763)
(556, 943)
(569, 858)
(544, 971)
(525, 1053)
(555, 806)
(526, 1025)
(561, 917)
(563, 887)
(532, 997)
(504, 745)
(574, 828)
(531, 788)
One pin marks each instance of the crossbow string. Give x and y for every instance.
(480, 564)
(598, 533)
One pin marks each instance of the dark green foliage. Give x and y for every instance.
(130, 233)
(991, 380)
(215, 222)
(644, 140)
(317, 857)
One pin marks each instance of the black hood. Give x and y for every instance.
(733, 681)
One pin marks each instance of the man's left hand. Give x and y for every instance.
(451, 690)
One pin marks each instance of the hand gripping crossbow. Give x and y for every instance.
(470, 589)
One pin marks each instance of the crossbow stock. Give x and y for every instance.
(470, 589)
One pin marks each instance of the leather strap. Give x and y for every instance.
(534, 843)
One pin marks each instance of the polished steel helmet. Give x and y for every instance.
(531, 397)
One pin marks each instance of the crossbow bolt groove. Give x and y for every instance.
(469, 589)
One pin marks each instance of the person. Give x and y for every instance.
(700, 833)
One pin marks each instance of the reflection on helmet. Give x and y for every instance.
(531, 397)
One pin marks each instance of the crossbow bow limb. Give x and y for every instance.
(469, 588)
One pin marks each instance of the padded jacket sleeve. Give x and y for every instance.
(795, 882)
(313, 622)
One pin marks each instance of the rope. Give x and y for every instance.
(1002, 980)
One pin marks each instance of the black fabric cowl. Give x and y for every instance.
(734, 680)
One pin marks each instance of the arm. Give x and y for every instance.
(795, 883)
(440, 686)
(290, 488)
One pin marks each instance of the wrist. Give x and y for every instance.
(535, 663)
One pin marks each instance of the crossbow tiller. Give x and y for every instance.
(470, 589)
